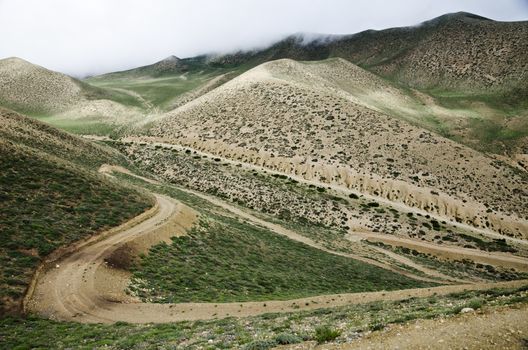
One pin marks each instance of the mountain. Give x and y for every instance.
(455, 51)
(323, 121)
(465, 75)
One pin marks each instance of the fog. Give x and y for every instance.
(87, 37)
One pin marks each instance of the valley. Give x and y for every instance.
(311, 192)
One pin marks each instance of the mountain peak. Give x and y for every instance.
(14, 60)
(171, 58)
(455, 16)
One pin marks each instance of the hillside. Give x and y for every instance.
(169, 82)
(61, 100)
(291, 117)
(32, 89)
(51, 197)
(324, 192)
(456, 51)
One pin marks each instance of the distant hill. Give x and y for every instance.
(450, 57)
(168, 66)
(62, 100)
(30, 88)
(455, 51)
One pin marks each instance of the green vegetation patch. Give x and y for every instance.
(85, 126)
(223, 260)
(46, 203)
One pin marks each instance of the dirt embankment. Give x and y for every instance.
(400, 194)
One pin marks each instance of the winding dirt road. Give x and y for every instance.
(82, 287)
(449, 252)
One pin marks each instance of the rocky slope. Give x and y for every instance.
(291, 117)
(454, 51)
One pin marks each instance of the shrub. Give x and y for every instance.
(284, 339)
(376, 327)
(475, 303)
(260, 345)
(325, 334)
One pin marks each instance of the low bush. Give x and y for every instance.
(325, 334)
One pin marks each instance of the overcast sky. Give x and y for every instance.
(81, 37)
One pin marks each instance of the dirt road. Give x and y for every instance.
(81, 287)
(449, 252)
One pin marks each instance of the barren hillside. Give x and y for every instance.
(291, 117)
(31, 88)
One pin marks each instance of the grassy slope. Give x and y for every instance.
(226, 260)
(51, 196)
(160, 90)
(223, 259)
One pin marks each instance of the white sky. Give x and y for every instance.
(81, 37)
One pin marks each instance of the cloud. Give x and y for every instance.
(95, 36)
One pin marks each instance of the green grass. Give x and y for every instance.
(325, 334)
(246, 333)
(93, 92)
(83, 126)
(223, 259)
(46, 203)
(159, 91)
